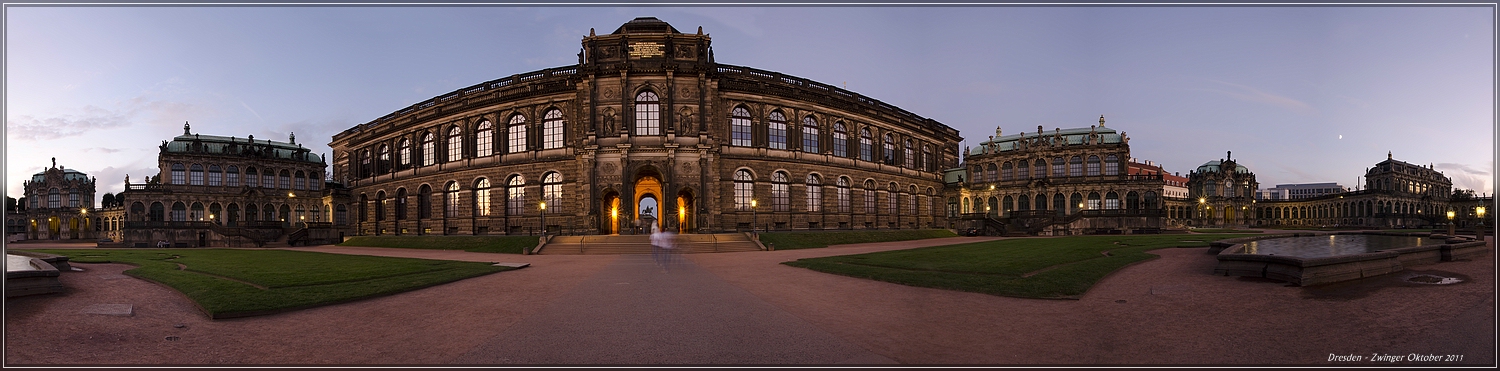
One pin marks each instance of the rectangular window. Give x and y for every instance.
(286, 182)
(742, 194)
(72, 200)
(314, 181)
(1057, 167)
(484, 143)
(869, 201)
(840, 144)
(233, 179)
(778, 135)
(252, 180)
(268, 180)
(552, 134)
(301, 184)
(843, 199)
(814, 198)
(517, 141)
(177, 177)
(214, 178)
(779, 197)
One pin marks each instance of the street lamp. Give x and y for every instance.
(1479, 230)
(543, 205)
(752, 215)
(1450, 223)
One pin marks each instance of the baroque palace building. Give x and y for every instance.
(1072, 181)
(58, 202)
(228, 191)
(646, 126)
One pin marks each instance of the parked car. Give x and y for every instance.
(971, 232)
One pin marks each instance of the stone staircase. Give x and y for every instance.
(641, 244)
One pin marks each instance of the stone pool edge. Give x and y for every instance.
(1324, 270)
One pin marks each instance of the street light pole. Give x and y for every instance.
(1479, 230)
(753, 219)
(543, 205)
(1450, 223)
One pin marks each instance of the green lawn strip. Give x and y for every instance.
(1223, 230)
(489, 244)
(997, 267)
(816, 239)
(322, 279)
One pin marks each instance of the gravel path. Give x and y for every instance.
(747, 308)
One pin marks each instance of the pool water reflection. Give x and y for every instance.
(1331, 245)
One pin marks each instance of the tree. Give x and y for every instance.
(10, 204)
(109, 200)
(1462, 194)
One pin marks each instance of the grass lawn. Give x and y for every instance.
(1049, 268)
(804, 240)
(492, 244)
(1223, 230)
(228, 283)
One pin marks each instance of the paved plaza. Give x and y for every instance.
(747, 308)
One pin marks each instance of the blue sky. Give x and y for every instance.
(1299, 94)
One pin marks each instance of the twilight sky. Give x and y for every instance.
(1300, 94)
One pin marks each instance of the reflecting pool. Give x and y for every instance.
(1331, 245)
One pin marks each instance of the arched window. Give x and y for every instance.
(383, 164)
(54, 199)
(552, 191)
(809, 134)
(1111, 165)
(515, 191)
(1094, 203)
(744, 189)
(268, 179)
(814, 193)
(403, 153)
(450, 200)
(314, 180)
(482, 197)
(1133, 200)
(869, 196)
(379, 206)
(1007, 172)
(1041, 202)
(215, 176)
(840, 140)
(889, 150)
(1111, 201)
(179, 212)
(1023, 169)
(195, 175)
(777, 132)
(552, 129)
(911, 200)
(843, 194)
(286, 179)
(429, 149)
(1006, 206)
(517, 133)
(72, 198)
(252, 212)
(1228, 188)
(252, 178)
(484, 139)
(400, 205)
(1076, 202)
(1057, 167)
(928, 163)
(966, 208)
(179, 176)
(424, 202)
(866, 145)
(647, 114)
(300, 179)
(455, 144)
(1059, 204)
(779, 191)
(232, 176)
(739, 127)
(909, 156)
(890, 197)
(1093, 165)
(1039, 169)
(366, 168)
(991, 173)
(1075, 166)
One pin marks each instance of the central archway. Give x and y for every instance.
(648, 193)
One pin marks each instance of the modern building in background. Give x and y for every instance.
(1299, 191)
(647, 126)
(58, 202)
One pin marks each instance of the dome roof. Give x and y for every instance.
(1213, 167)
(645, 25)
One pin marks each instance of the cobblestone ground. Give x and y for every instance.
(573, 309)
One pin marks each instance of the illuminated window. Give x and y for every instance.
(739, 124)
(647, 114)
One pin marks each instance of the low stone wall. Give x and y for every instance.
(42, 280)
(1316, 271)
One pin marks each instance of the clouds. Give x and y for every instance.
(89, 118)
(1249, 94)
(1467, 177)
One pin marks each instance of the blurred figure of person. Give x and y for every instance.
(662, 247)
(656, 250)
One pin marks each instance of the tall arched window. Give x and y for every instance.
(779, 191)
(889, 150)
(1093, 201)
(1057, 167)
(1023, 169)
(515, 191)
(840, 140)
(814, 193)
(1023, 202)
(158, 214)
(991, 172)
(450, 199)
(403, 153)
(1111, 201)
(552, 191)
(268, 178)
(232, 176)
(1093, 165)
(744, 189)
(1228, 188)
(1039, 169)
(301, 180)
(424, 202)
(516, 132)
(739, 127)
(869, 196)
(928, 163)
(252, 177)
(776, 122)
(866, 145)
(379, 206)
(484, 139)
(1075, 166)
(455, 144)
(911, 200)
(314, 180)
(1007, 171)
(179, 212)
(215, 176)
(909, 156)
(429, 149)
(383, 164)
(890, 197)
(54, 199)
(1111, 165)
(843, 194)
(366, 168)
(809, 135)
(482, 197)
(286, 179)
(647, 114)
(552, 129)
(195, 175)
(400, 204)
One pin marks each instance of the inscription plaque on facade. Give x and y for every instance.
(645, 50)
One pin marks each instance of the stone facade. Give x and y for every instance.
(1222, 193)
(646, 118)
(58, 202)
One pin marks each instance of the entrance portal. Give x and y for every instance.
(612, 219)
(648, 193)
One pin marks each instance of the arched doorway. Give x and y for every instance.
(684, 219)
(54, 228)
(648, 193)
(611, 222)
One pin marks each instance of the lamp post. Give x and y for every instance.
(1450, 223)
(1202, 210)
(543, 206)
(752, 216)
(1479, 230)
